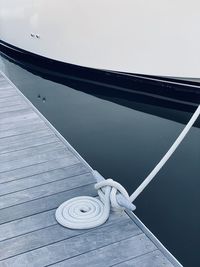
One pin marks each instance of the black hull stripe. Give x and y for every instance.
(164, 87)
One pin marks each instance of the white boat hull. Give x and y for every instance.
(160, 38)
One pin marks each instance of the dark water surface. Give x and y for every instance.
(124, 137)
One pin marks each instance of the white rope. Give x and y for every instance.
(166, 157)
(88, 212)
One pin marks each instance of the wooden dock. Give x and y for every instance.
(38, 171)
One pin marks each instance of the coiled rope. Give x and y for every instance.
(87, 212)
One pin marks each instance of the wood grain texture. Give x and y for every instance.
(14, 143)
(155, 259)
(22, 117)
(44, 190)
(24, 122)
(34, 238)
(7, 94)
(29, 152)
(17, 100)
(92, 240)
(35, 159)
(41, 179)
(44, 204)
(13, 108)
(33, 169)
(18, 129)
(133, 246)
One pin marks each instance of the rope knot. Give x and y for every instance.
(108, 191)
(87, 212)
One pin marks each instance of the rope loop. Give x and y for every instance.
(88, 212)
(115, 188)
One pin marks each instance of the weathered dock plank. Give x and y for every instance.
(10, 93)
(21, 129)
(39, 171)
(41, 179)
(44, 190)
(17, 100)
(40, 237)
(34, 169)
(14, 143)
(30, 152)
(17, 118)
(14, 114)
(34, 159)
(92, 240)
(110, 254)
(12, 108)
(23, 123)
(43, 204)
(155, 258)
